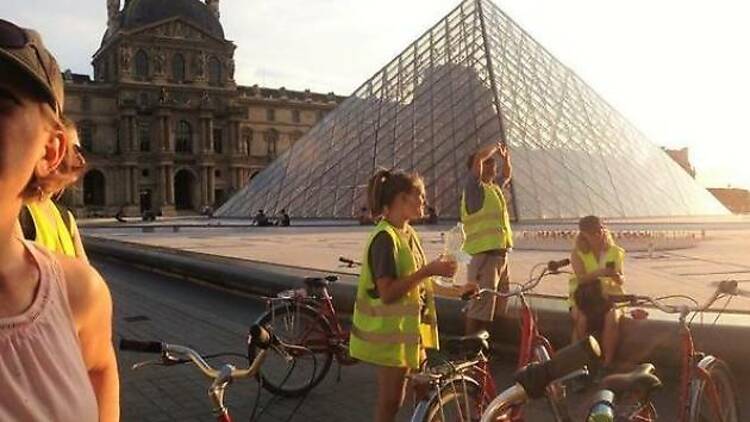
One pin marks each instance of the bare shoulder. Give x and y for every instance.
(86, 288)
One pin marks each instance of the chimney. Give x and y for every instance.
(213, 6)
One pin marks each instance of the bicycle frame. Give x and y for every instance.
(692, 372)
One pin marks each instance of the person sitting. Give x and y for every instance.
(261, 219)
(284, 220)
(432, 217)
(598, 266)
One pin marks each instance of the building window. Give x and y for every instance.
(145, 173)
(295, 116)
(270, 114)
(321, 114)
(184, 138)
(272, 139)
(144, 136)
(218, 141)
(217, 174)
(294, 136)
(141, 65)
(85, 103)
(178, 68)
(86, 135)
(214, 71)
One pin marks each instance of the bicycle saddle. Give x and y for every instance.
(471, 344)
(640, 379)
(319, 281)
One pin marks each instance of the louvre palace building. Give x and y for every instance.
(165, 126)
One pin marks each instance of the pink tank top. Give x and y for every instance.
(42, 373)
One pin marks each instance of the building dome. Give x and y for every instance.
(138, 13)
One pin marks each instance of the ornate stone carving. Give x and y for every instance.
(164, 97)
(229, 67)
(126, 53)
(159, 60)
(199, 65)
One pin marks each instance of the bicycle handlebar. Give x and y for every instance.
(726, 287)
(552, 267)
(350, 262)
(174, 353)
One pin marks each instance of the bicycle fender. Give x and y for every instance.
(278, 308)
(695, 385)
(420, 411)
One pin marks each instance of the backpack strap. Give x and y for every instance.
(27, 224)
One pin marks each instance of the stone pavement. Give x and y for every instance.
(723, 254)
(151, 306)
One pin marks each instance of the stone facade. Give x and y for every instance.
(164, 124)
(736, 200)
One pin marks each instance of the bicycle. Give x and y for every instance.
(305, 317)
(259, 342)
(533, 347)
(707, 388)
(534, 380)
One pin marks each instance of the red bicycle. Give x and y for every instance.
(308, 318)
(463, 388)
(707, 388)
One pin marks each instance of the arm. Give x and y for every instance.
(91, 304)
(480, 156)
(507, 167)
(393, 289)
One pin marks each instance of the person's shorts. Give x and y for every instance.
(490, 271)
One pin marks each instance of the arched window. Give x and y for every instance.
(184, 137)
(144, 136)
(178, 68)
(141, 64)
(214, 71)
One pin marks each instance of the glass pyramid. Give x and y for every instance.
(473, 78)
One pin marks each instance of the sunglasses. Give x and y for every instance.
(13, 37)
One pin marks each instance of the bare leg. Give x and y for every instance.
(476, 325)
(391, 391)
(610, 336)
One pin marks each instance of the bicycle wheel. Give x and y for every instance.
(703, 408)
(300, 325)
(556, 395)
(458, 400)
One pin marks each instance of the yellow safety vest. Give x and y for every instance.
(614, 254)
(489, 228)
(393, 334)
(53, 235)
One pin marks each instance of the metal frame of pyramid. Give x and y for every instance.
(473, 78)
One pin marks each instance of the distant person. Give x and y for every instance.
(58, 363)
(261, 219)
(120, 215)
(484, 213)
(394, 317)
(284, 220)
(598, 266)
(47, 223)
(364, 217)
(432, 217)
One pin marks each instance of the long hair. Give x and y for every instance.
(590, 224)
(385, 185)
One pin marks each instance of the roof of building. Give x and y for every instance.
(138, 13)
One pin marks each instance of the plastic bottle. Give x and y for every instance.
(602, 410)
(453, 243)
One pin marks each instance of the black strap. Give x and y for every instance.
(27, 223)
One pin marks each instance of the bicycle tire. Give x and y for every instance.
(455, 402)
(289, 316)
(701, 408)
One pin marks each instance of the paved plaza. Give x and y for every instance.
(721, 254)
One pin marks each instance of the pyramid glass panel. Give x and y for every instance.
(474, 78)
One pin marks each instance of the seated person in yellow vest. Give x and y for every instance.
(45, 222)
(598, 266)
(394, 313)
(484, 214)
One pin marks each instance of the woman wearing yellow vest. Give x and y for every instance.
(598, 266)
(394, 313)
(41, 219)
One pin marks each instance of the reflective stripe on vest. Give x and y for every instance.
(488, 228)
(53, 235)
(393, 334)
(590, 264)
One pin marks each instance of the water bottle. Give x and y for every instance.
(602, 410)
(453, 243)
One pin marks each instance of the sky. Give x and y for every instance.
(677, 69)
